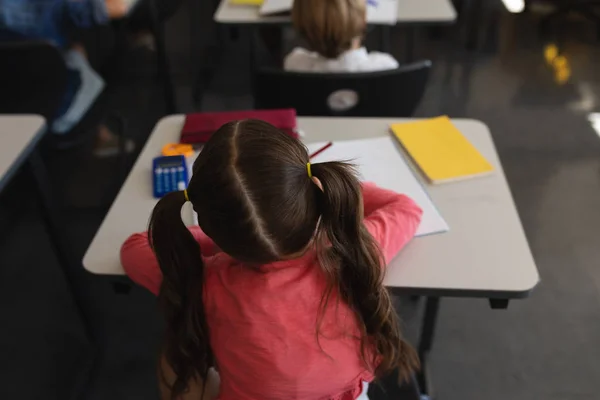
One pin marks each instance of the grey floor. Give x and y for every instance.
(544, 347)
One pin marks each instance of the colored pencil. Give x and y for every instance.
(322, 149)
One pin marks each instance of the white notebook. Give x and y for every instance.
(378, 11)
(382, 12)
(381, 161)
(270, 7)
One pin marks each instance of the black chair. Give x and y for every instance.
(33, 79)
(393, 93)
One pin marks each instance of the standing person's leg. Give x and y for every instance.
(90, 87)
(140, 19)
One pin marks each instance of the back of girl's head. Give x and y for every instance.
(252, 194)
(329, 26)
(254, 198)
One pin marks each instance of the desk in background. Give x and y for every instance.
(19, 138)
(410, 12)
(484, 255)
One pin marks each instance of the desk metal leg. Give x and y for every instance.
(69, 268)
(426, 342)
(472, 10)
(253, 50)
(164, 72)
(56, 235)
(409, 52)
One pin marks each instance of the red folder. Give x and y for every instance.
(199, 127)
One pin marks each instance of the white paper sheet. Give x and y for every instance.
(378, 11)
(382, 12)
(271, 7)
(381, 161)
(188, 214)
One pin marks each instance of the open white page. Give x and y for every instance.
(380, 161)
(378, 11)
(271, 7)
(382, 12)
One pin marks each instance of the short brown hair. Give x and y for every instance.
(329, 26)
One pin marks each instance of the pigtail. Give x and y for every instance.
(186, 342)
(354, 266)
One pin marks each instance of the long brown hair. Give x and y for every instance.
(254, 198)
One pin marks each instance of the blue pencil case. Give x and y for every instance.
(170, 174)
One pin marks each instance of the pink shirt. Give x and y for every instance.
(263, 325)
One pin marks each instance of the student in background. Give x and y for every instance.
(281, 285)
(333, 30)
(55, 21)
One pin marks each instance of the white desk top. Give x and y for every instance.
(485, 253)
(18, 136)
(409, 12)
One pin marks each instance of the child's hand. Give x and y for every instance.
(116, 8)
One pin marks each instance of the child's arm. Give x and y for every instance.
(391, 218)
(140, 264)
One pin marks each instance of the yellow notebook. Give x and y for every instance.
(440, 150)
(247, 2)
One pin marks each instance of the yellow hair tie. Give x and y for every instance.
(185, 194)
(308, 169)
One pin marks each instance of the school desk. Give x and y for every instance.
(19, 139)
(484, 255)
(410, 13)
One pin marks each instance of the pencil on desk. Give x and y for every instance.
(322, 149)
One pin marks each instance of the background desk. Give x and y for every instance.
(19, 138)
(409, 12)
(485, 253)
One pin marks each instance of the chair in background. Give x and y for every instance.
(390, 388)
(33, 79)
(393, 93)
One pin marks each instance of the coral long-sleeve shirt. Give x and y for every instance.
(263, 323)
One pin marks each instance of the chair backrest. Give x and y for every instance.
(393, 93)
(33, 78)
